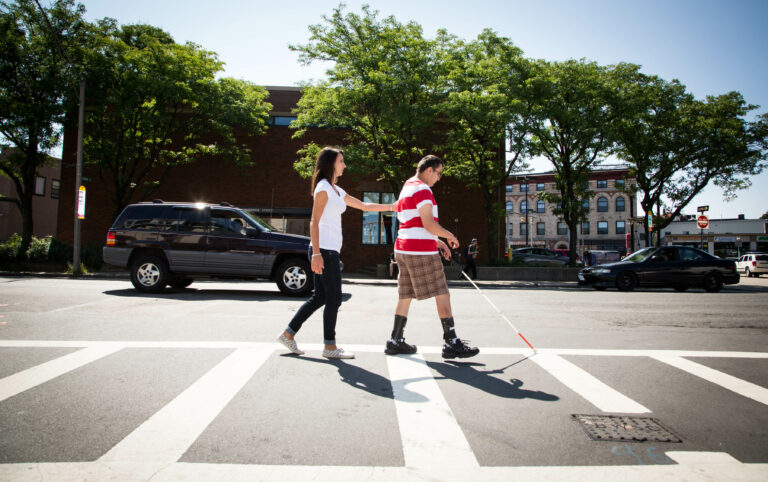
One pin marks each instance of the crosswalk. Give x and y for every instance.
(434, 446)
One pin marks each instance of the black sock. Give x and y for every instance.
(449, 334)
(399, 327)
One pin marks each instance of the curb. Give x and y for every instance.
(101, 275)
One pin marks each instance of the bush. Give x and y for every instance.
(38, 249)
(91, 255)
(9, 250)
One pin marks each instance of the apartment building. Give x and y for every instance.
(531, 222)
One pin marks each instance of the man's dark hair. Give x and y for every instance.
(429, 161)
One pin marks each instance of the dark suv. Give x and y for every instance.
(175, 243)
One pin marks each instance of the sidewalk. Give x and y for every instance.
(346, 278)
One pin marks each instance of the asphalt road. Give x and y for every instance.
(100, 382)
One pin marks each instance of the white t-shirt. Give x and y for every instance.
(330, 221)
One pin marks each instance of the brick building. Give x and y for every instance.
(44, 203)
(611, 210)
(273, 189)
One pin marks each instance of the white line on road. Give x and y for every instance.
(165, 436)
(31, 377)
(590, 388)
(78, 306)
(430, 434)
(742, 387)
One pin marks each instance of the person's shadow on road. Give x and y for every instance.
(465, 372)
(363, 379)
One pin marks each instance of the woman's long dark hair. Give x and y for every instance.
(326, 158)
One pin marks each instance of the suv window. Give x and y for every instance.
(761, 257)
(188, 220)
(142, 218)
(227, 223)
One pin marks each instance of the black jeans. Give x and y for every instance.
(327, 292)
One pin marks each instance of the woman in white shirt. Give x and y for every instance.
(325, 235)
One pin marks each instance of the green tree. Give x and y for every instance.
(764, 216)
(570, 104)
(652, 134)
(678, 145)
(155, 104)
(482, 112)
(34, 81)
(381, 89)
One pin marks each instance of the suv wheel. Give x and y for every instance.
(149, 274)
(747, 272)
(294, 277)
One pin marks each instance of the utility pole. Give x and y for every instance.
(80, 129)
(527, 208)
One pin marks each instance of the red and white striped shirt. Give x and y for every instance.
(412, 237)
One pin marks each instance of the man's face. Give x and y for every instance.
(434, 174)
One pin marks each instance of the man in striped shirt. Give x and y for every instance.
(417, 252)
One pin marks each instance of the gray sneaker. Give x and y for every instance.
(290, 344)
(338, 353)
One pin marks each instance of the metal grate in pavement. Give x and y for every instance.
(616, 428)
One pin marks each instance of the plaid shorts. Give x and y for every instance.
(421, 276)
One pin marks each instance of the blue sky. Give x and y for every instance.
(712, 47)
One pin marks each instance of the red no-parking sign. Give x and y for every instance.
(702, 221)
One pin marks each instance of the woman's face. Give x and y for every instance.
(339, 166)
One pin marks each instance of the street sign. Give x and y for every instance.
(81, 203)
(702, 209)
(702, 222)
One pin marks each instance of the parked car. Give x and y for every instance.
(597, 256)
(678, 267)
(566, 253)
(534, 255)
(175, 243)
(753, 264)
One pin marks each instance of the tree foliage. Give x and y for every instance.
(156, 104)
(569, 102)
(678, 145)
(381, 89)
(34, 82)
(480, 112)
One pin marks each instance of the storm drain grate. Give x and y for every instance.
(615, 428)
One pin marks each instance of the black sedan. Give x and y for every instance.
(678, 267)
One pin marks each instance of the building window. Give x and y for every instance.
(523, 187)
(378, 227)
(602, 227)
(510, 207)
(508, 188)
(620, 227)
(619, 203)
(562, 229)
(55, 188)
(540, 229)
(541, 207)
(620, 184)
(39, 186)
(602, 183)
(585, 204)
(585, 228)
(523, 229)
(539, 186)
(524, 207)
(602, 205)
(281, 120)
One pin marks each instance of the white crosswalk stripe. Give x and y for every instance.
(430, 434)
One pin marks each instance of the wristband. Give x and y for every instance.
(319, 254)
